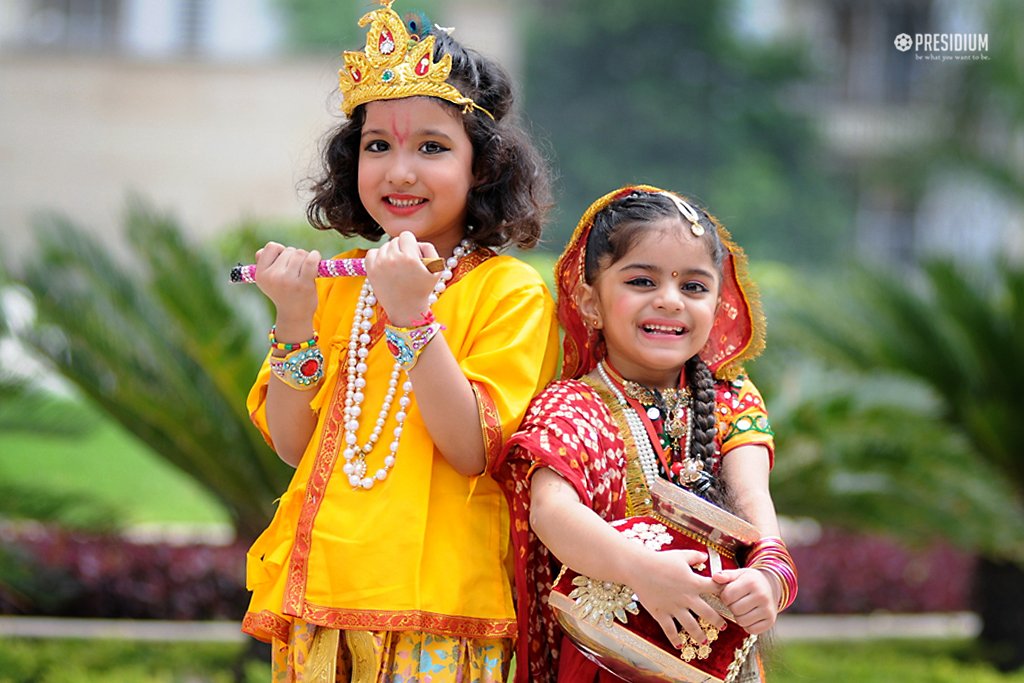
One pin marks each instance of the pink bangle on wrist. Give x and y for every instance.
(771, 555)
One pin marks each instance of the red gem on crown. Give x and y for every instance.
(386, 42)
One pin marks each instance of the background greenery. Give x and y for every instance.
(907, 661)
(668, 94)
(109, 468)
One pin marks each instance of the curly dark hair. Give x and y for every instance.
(512, 195)
(617, 228)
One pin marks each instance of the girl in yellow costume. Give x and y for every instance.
(387, 559)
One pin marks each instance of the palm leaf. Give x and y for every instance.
(160, 348)
(950, 335)
(871, 453)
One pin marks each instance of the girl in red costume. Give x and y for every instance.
(658, 316)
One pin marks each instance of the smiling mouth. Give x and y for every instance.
(404, 203)
(664, 329)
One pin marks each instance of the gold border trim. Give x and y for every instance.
(638, 496)
(265, 626)
(490, 422)
(408, 620)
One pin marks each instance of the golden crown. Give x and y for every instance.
(395, 64)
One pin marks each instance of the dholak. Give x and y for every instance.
(611, 628)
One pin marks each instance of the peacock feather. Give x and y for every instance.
(418, 24)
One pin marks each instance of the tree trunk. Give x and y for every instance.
(999, 599)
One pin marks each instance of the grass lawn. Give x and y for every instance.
(906, 661)
(79, 661)
(111, 466)
(36, 661)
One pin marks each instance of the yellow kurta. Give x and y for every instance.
(426, 549)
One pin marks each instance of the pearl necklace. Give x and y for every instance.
(355, 466)
(645, 451)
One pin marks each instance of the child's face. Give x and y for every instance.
(416, 169)
(656, 305)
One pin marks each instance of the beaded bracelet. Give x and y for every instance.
(771, 555)
(301, 369)
(281, 346)
(407, 343)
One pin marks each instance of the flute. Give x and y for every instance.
(342, 267)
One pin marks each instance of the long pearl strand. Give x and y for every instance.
(645, 452)
(355, 466)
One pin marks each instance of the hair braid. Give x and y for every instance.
(702, 444)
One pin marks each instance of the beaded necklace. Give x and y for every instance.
(687, 470)
(355, 466)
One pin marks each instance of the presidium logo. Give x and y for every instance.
(944, 46)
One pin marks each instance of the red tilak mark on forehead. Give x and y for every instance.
(400, 130)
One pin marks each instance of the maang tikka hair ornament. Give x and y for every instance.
(396, 64)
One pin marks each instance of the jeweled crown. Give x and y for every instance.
(395, 64)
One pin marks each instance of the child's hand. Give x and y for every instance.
(671, 592)
(288, 277)
(401, 282)
(750, 595)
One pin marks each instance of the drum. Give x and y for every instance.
(612, 629)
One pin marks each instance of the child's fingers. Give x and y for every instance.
(694, 558)
(407, 244)
(268, 254)
(668, 625)
(756, 628)
(725, 576)
(689, 624)
(310, 265)
(706, 612)
(752, 616)
(427, 250)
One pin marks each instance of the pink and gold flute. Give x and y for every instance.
(344, 267)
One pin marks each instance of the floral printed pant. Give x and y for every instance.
(315, 654)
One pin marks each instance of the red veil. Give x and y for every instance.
(736, 336)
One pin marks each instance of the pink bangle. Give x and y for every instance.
(771, 555)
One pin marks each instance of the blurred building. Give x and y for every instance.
(143, 28)
(196, 105)
(875, 103)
